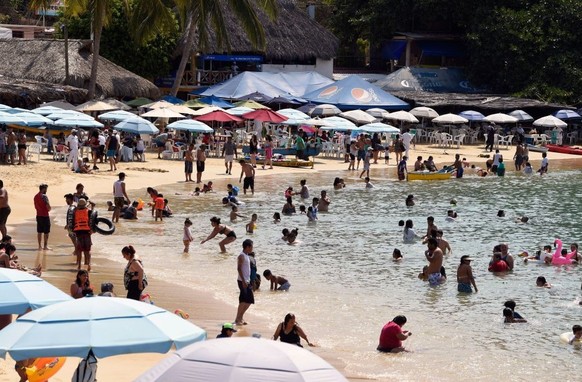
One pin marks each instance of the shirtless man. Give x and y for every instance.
(465, 276)
(4, 209)
(249, 172)
(434, 255)
(324, 202)
(200, 162)
(10, 145)
(430, 226)
(442, 243)
(188, 160)
(518, 157)
(360, 144)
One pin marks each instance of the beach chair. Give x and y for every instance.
(459, 140)
(61, 153)
(33, 149)
(446, 140)
(572, 137)
(505, 141)
(42, 141)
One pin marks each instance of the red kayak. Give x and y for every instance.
(564, 149)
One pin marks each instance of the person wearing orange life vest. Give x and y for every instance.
(82, 229)
(159, 207)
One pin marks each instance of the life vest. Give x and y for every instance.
(81, 220)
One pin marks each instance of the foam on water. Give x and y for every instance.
(345, 285)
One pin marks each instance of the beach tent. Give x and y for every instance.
(446, 80)
(273, 85)
(5, 33)
(353, 92)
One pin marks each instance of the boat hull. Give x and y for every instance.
(309, 152)
(419, 175)
(564, 149)
(537, 149)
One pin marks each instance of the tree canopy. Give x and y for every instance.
(523, 47)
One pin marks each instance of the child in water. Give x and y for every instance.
(277, 280)
(302, 210)
(234, 214)
(207, 187)
(509, 318)
(188, 238)
(276, 218)
(159, 207)
(577, 331)
(311, 215)
(167, 212)
(252, 225)
(397, 255)
(368, 184)
(289, 192)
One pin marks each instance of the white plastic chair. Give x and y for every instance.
(34, 148)
(42, 141)
(505, 141)
(459, 140)
(572, 137)
(446, 140)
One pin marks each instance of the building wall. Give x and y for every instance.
(323, 67)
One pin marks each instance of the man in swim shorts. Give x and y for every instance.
(200, 162)
(246, 297)
(229, 152)
(465, 276)
(249, 172)
(434, 255)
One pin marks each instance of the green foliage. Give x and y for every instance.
(150, 60)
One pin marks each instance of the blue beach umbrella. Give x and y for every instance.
(172, 99)
(338, 124)
(20, 291)
(137, 125)
(105, 326)
(215, 101)
(117, 115)
(191, 125)
(78, 122)
(33, 119)
(46, 110)
(11, 119)
(566, 114)
(472, 115)
(68, 114)
(16, 110)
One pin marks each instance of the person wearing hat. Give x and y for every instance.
(465, 276)
(73, 144)
(43, 221)
(227, 330)
(82, 229)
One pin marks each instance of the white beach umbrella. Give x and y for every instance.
(521, 115)
(116, 115)
(11, 119)
(118, 104)
(157, 105)
(472, 115)
(4, 107)
(190, 125)
(358, 116)
(33, 119)
(207, 110)
(550, 121)
(137, 125)
(68, 114)
(162, 112)
(315, 122)
(424, 112)
(185, 110)
(339, 124)
(378, 113)
(95, 106)
(239, 110)
(78, 122)
(452, 119)
(500, 118)
(379, 127)
(403, 116)
(46, 110)
(325, 110)
(293, 114)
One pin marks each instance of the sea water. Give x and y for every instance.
(345, 286)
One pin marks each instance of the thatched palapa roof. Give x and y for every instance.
(28, 94)
(292, 36)
(44, 60)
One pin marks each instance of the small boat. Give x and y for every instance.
(281, 160)
(537, 149)
(564, 149)
(425, 175)
(311, 151)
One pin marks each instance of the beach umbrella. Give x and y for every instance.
(139, 102)
(284, 100)
(68, 114)
(118, 104)
(307, 108)
(33, 119)
(78, 122)
(379, 127)
(20, 291)
(378, 113)
(185, 110)
(64, 105)
(451, 119)
(195, 104)
(46, 110)
(95, 106)
(265, 115)
(239, 110)
(256, 96)
(325, 110)
(521, 115)
(472, 115)
(11, 119)
(190, 125)
(157, 105)
(500, 118)
(338, 124)
(137, 125)
(173, 100)
(206, 110)
(424, 112)
(251, 104)
(549, 121)
(242, 359)
(162, 112)
(219, 116)
(358, 116)
(107, 326)
(16, 110)
(4, 107)
(293, 113)
(566, 114)
(403, 116)
(117, 115)
(316, 122)
(215, 101)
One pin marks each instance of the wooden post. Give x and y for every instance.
(66, 35)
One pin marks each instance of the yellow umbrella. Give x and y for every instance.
(251, 104)
(195, 104)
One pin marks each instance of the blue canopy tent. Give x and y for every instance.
(270, 84)
(353, 92)
(447, 80)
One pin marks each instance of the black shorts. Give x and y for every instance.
(43, 224)
(188, 167)
(384, 350)
(246, 294)
(249, 181)
(4, 212)
(352, 156)
(83, 242)
(231, 234)
(200, 166)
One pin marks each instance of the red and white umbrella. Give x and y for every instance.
(219, 116)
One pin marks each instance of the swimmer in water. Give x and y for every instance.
(410, 200)
(276, 218)
(397, 255)
(511, 305)
(234, 214)
(542, 283)
(509, 318)
(252, 225)
(577, 331)
(285, 233)
(292, 236)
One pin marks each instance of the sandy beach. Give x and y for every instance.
(204, 309)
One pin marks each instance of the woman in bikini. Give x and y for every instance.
(288, 331)
(222, 229)
(134, 277)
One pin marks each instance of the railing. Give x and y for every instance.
(211, 77)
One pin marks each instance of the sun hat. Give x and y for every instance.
(228, 326)
(466, 258)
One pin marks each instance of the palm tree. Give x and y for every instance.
(100, 11)
(197, 17)
(40, 5)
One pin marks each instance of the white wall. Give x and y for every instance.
(323, 67)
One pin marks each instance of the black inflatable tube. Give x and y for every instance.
(110, 226)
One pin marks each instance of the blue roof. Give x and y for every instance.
(353, 92)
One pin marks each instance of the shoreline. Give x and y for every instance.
(203, 309)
